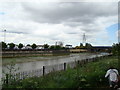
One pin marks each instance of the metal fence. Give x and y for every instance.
(47, 69)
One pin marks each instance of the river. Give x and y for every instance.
(33, 63)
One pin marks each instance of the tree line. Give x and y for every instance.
(115, 47)
(33, 46)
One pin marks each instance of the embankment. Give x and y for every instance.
(21, 53)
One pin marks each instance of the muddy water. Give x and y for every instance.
(33, 63)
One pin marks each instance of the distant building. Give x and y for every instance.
(68, 46)
(40, 47)
(8, 47)
(26, 47)
(60, 43)
(16, 47)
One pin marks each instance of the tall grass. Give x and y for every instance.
(89, 75)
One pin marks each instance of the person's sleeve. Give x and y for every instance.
(106, 75)
(117, 72)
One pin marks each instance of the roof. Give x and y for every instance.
(68, 45)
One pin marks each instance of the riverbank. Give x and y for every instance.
(86, 76)
(24, 53)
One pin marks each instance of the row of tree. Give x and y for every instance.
(33, 46)
(45, 46)
(12, 45)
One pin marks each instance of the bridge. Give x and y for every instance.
(101, 49)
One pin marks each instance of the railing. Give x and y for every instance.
(47, 69)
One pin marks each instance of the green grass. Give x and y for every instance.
(89, 75)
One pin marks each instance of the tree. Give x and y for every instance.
(33, 46)
(20, 45)
(116, 49)
(58, 47)
(52, 47)
(88, 45)
(77, 47)
(4, 45)
(81, 45)
(11, 45)
(46, 46)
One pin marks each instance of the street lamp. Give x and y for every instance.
(4, 36)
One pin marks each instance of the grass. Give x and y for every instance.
(89, 75)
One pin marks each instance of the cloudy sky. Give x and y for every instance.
(48, 22)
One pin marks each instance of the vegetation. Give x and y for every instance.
(20, 45)
(89, 75)
(4, 45)
(87, 45)
(11, 45)
(116, 49)
(33, 46)
(59, 45)
(46, 46)
(56, 47)
(116, 52)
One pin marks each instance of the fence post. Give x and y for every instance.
(64, 66)
(7, 79)
(78, 62)
(43, 70)
(82, 62)
(87, 60)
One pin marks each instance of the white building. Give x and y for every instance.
(68, 46)
(26, 47)
(40, 47)
(16, 47)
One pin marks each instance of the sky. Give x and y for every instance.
(50, 22)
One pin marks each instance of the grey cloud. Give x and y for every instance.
(55, 38)
(69, 12)
(72, 33)
(15, 32)
(72, 19)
